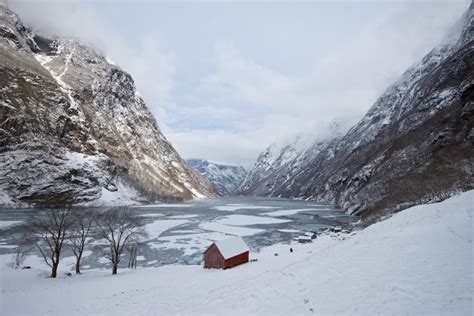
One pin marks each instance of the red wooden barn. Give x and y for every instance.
(226, 253)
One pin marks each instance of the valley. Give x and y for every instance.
(316, 160)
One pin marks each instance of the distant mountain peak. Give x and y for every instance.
(224, 178)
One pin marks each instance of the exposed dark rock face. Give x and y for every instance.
(414, 145)
(225, 179)
(74, 129)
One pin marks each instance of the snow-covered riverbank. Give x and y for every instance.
(418, 261)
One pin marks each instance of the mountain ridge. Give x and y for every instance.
(224, 178)
(74, 128)
(414, 145)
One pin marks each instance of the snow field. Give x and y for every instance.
(417, 262)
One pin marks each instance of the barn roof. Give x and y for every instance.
(231, 247)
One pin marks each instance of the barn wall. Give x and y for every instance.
(213, 258)
(239, 259)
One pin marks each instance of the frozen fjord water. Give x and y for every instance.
(179, 233)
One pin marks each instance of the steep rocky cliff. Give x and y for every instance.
(73, 128)
(416, 143)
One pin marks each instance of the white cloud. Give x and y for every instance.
(341, 86)
(242, 77)
(229, 102)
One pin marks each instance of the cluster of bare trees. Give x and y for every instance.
(53, 230)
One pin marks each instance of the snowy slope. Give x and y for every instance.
(278, 169)
(417, 262)
(415, 144)
(73, 128)
(224, 178)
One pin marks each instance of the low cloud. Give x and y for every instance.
(239, 104)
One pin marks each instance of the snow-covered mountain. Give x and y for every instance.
(224, 178)
(415, 144)
(279, 167)
(73, 128)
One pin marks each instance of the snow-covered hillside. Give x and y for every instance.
(419, 261)
(224, 178)
(74, 129)
(278, 170)
(415, 144)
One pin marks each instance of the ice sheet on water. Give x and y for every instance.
(294, 211)
(151, 215)
(183, 216)
(230, 230)
(6, 224)
(289, 230)
(235, 207)
(161, 205)
(243, 220)
(156, 228)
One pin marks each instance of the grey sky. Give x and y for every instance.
(226, 79)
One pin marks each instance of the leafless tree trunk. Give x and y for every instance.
(49, 230)
(83, 219)
(121, 228)
(133, 252)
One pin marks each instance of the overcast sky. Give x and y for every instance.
(226, 79)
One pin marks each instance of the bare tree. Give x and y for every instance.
(19, 258)
(81, 229)
(48, 231)
(121, 228)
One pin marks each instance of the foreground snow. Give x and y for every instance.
(418, 261)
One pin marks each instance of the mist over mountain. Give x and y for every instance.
(415, 144)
